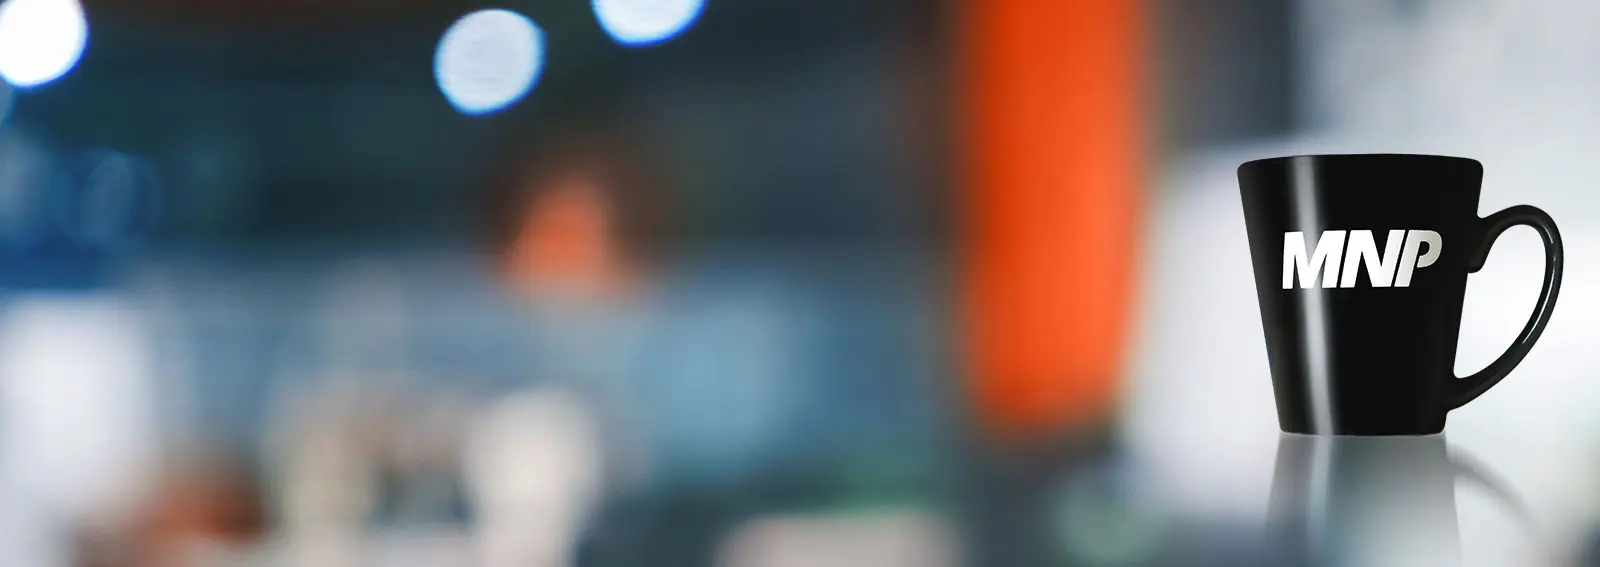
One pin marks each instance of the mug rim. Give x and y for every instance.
(1268, 160)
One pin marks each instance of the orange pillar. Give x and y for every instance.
(1052, 108)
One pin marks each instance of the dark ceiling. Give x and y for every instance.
(312, 108)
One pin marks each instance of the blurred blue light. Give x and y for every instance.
(645, 22)
(40, 40)
(26, 172)
(488, 60)
(6, 95)
(112, 199)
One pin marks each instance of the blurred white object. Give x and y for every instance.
(77, 416)
(888, 538)
(328, 492)
(1432, 66)
(1201, 417)
(488, 60)
(29, 535)
(322, 439)
(40, 40)
(532, 469)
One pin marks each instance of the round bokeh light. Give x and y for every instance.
(645, 22)
(488, 60)
(40, 40)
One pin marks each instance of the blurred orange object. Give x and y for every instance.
(202, 502)
(567, 237)
(1052, 110)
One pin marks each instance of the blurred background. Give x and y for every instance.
(751, 284)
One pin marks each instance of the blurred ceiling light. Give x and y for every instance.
(645, 22)
(488, 60)
(40, 40)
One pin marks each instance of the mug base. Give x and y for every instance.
(1398, 434)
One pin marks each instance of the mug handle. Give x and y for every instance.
(1463, 390)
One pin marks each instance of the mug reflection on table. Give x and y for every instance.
(1373, 501)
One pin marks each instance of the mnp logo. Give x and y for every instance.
(1404, 251)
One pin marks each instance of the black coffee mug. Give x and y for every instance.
(1361, 264)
